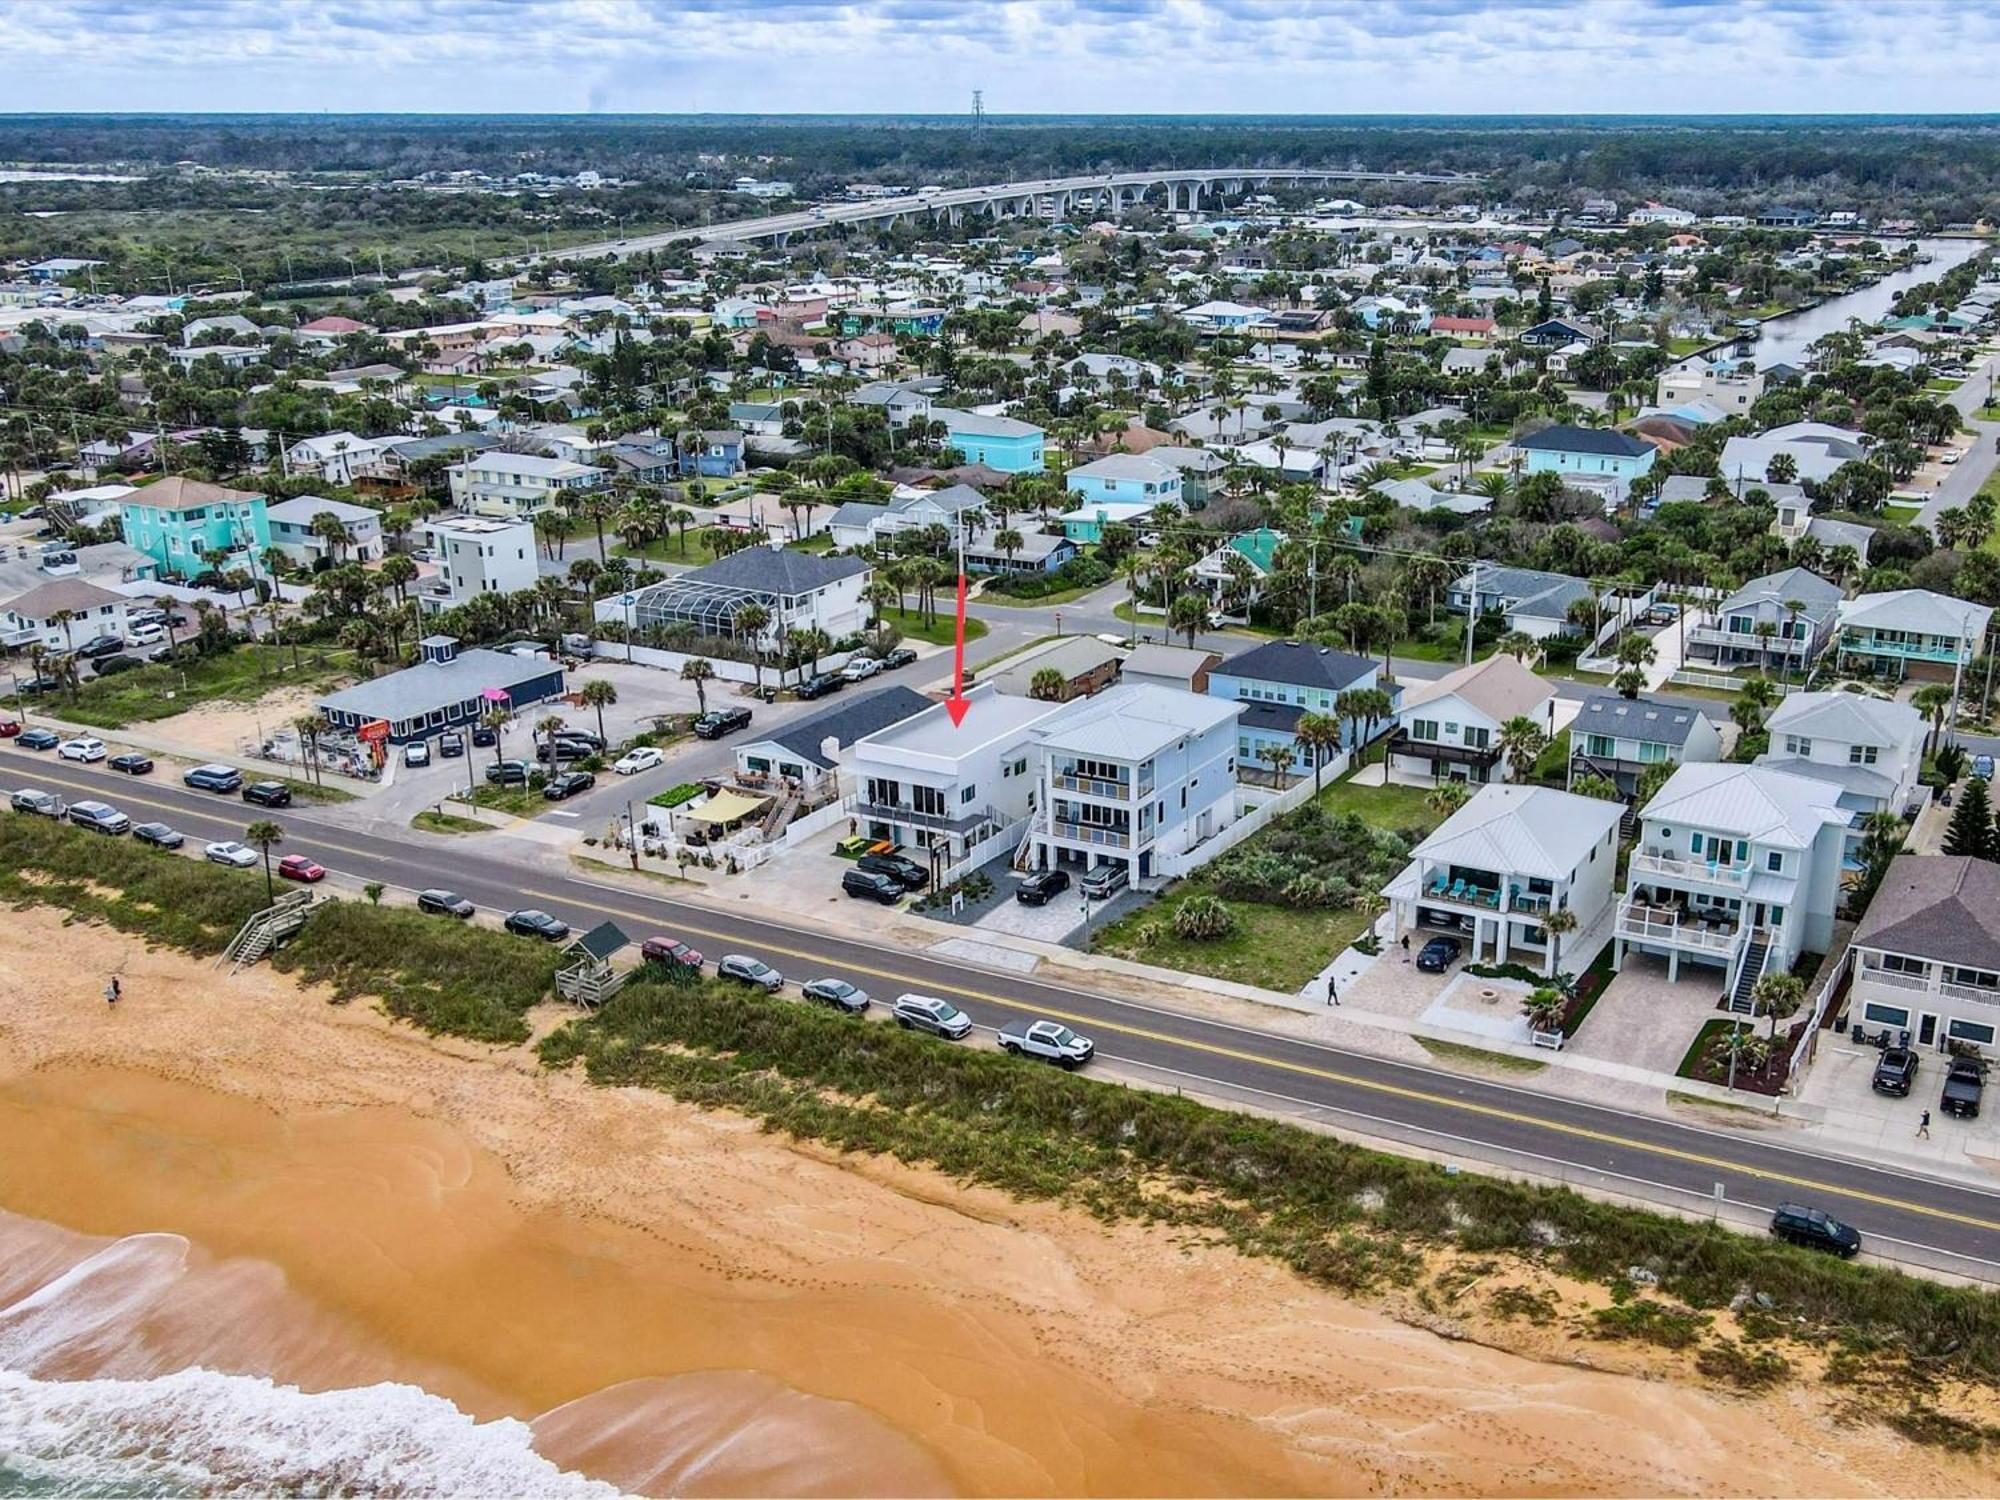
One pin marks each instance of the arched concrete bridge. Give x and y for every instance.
(1052, 198)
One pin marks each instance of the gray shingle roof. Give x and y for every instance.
(431, 686)
(1564, 439)
(776, 570)
(1662, 721)
(1300, 663)
(1937, 906)
(849, 722)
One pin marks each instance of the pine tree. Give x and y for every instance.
(1971, 830)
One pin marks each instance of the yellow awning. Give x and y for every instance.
(725, 807)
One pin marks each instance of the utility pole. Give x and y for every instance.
(1472, 613)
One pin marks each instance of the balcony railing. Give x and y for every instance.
(897, 812)
(1085, 833)
(1651, 927)
(1919, 984)
(1931, 648)
(1707, 871)
(1092, 786)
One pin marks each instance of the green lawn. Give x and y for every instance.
(521, 801)
(1384, 806)
(1943, 386)
(697, 553)
(242, 674)
(1448, 647)
(430, 821)
(1046, 601)
(942, 631)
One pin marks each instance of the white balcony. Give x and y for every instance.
(1638, 924)
(1924, 984)
(1652, 865)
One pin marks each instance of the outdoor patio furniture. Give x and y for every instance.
(1458, 890)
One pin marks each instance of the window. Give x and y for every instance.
(1651, 752)
(1774, 862)
(1477, 739)
(1797, 745)
(1969, 1031)
(1898, 963)
(1975, 978)
(1861, 755)
(968, 794)
(1885, 1015)
(1423, 729)
(1694, 842)
(1777, 916)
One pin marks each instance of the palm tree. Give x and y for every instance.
(1932, 700)
(1778, 996)
(1448, 797)
(1558, 924)
(1519, 645)
(496, 718)
(1320, 736)
(547, 727)
(264, 834)
(1766, 631)
(751, 621)
(1188, 614)
(600, 695)
(1522, 742)
(1544, 1008)
(698, 670)
(1281, 756)
(1047, 685)
(1009, 541)
(309, 728)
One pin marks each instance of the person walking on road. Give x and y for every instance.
(1924, 1126)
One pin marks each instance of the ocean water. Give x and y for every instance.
(143, 1366)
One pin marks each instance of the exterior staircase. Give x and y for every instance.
(781, 814)
(266, 930)
(1747, 976)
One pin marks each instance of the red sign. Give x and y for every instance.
(374, 732)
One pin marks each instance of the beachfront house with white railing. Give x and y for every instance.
(1778, 623)
(1496, 867)
(1926, 957)
(1736, 868)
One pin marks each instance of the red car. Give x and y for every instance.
(298, 867)
(9, 728)
(666, 950)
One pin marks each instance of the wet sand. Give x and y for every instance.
(649, 1282)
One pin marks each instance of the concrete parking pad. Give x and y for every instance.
(1646, 1020)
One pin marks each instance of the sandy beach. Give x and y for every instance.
(676, 1300)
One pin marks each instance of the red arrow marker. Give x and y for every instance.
(956, 704)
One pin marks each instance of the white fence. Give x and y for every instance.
(814, 823)
(725, 670)
(1268, 805)
(993, 847)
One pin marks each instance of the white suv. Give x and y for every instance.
(84, 747)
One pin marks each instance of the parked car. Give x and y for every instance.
(300, 867)
(714, 724)
(866, 884)
(838, 993)
(860, 669)
(443, 903)
(1951, 455)
(538, 924)
(1964, 1082)
(268, 794)
(562, 787)
(907, 873)
(9, 728)
(151, 633)
(632, 762)
(1982, 767)
(36, 686)
(1439, 954)
(229, 852)
(44, 804)
(1102, 882)
(747, 970)
(1039, 887)
(451, 745)
(417, 753)
(84, 747)
(928, 1013)
(902, 656)
(508, 773)
(1895, 1072)
(820, 686)
(101, 817)
(213, 778)
(159, 835)
(660, 949)
(567, 747)
(1815, 1229)
(588, 738)
(133, 763)
(111, 666)
(38, 739)
(1049, 1040)
(101, 645)
(485, 736)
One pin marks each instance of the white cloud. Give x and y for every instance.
(1030, 56)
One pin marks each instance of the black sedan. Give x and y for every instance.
(159, 835)
(533, 923)
(1439, 954)
(443, 903)
(1039, 887)
(132, 763)
(567, 785)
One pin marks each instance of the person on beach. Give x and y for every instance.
(112, 991)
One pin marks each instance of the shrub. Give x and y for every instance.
(1749, 1370)
(1310, 859)
(1202, 919)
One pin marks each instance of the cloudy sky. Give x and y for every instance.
(1030, 56)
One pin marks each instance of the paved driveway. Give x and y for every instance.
(1644, 1019)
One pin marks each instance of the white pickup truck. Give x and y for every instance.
(1049, 1040)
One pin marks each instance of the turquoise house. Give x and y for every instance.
(178, 522)
(1599, 456)
(1002, 443)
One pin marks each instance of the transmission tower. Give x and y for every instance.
(978, 110)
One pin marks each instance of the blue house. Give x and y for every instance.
(1280, 682)
(1002, 443)
(179, 523)
(719, 456)
(1597, 456)
(1123, 478)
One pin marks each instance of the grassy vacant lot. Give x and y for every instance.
(941, 631)
(1918, 1355)
(1274, 944)
(242, 674)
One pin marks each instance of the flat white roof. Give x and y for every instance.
(930, 740)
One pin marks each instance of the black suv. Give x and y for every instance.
(820, 686)
(268, 794)
(718, 722)
(1439, 954)
(884, 888)
(907, 873)
(1814, 1229)
(507, 773)
(1896, 1072)
(1039, 887)
(100, 645)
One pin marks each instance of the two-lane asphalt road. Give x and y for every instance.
(1467, 1117)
